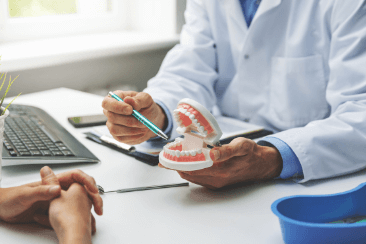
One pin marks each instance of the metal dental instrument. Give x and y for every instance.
(145, 188)
(142, 119)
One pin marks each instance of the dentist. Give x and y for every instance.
(297, 68)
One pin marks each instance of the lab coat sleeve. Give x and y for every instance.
(337, 145)
(189, 69)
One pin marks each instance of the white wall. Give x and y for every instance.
(90, 75)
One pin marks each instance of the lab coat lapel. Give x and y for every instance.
(265, 6)
(236, 25)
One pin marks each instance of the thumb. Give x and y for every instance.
(48, 177)
(40, 193)
(237, 147)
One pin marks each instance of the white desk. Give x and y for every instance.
(177, 215)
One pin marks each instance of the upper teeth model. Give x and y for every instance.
(200, 129)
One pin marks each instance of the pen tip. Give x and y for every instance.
(162, 135)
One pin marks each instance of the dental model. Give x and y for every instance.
(200, 129)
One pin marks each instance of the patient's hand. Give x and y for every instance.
(30, 202)
(126, 128)
(70, 215)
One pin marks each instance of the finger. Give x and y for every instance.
(237, 147)
(48, 177)
(132, 140)
(94, 198)
(77, 176)
(30, 195)
(163, 167)
(122, 130)
(124, 94)
(93, 224)
(141, 101)
(42, 220)
(125, 120)
(115, 106)
(97, 202)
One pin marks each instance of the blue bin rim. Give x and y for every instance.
(316, 225)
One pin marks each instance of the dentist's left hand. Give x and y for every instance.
(240, 161)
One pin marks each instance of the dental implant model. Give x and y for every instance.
(200, 129)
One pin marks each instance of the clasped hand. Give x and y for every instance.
(74, 193)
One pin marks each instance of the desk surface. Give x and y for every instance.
(191, 214)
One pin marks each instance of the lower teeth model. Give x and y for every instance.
(200, 129)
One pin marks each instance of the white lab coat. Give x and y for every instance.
(299, 70)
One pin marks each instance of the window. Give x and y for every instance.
(31, 19)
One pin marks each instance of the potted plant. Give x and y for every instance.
(4, 112)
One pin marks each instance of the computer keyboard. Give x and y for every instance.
(32, 136)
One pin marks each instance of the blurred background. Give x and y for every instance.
(88, 45)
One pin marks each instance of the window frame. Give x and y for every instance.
(26, 28)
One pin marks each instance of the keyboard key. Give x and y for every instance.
(57, 153)
(46, 153)
(22, 149)
(68, 153)
(13, 154)
(63, 148)
(36, 153)
(8, 147)
(25, 154)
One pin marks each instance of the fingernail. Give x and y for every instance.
(216, 154)
(47, 171)
(36, 218)
(54, 189)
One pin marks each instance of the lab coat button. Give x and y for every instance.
(246, 120)
(246, 56)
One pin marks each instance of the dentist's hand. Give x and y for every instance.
(126, 128)
(240, 161)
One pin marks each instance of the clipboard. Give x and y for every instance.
(152, 158)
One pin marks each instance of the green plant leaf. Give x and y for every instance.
(9, 104)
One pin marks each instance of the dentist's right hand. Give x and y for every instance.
(126, 128)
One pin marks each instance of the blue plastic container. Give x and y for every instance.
(306, 219)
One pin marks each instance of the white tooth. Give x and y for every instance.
(179, 139)
(184, 153)
(198, 125)
(199, 151)
(183, 111)
(202, 128)
(193, 152)
(171, 152)
(205, 133)
(187, 114)
(191, 117)
(177, 153)
(194, 120)
(176, 111)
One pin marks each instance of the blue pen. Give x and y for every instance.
(142, 119)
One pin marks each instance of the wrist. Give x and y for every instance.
(272, 157)
(75, 232)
